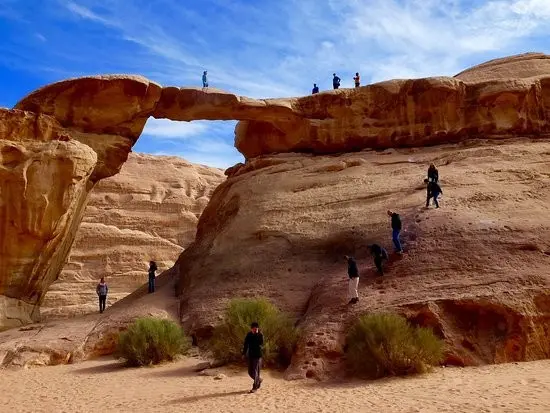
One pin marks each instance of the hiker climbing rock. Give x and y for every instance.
(433, 174)
(357, 80)
(205, 79)
(102, 291)
(434, 190)
(315, 89)
(379, 254)
(396, 230)
(353, 283)
(152, 269)
(335, 81)
(252, 350)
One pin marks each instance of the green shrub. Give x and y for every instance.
(380, 345)
(151, 341)
(278, 329)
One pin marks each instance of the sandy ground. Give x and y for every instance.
(102, 386)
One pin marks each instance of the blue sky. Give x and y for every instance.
(258, 48)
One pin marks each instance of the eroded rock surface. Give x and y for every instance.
(476, 270)
(44, 183)
(149, 211)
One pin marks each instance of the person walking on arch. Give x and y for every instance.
(396, 227)
(335, 81)
(252, 350)
(205, 79)
(353, 283)
(102, 291)
(379, 254)
(315, 89)
(357, 79)
(152, 269)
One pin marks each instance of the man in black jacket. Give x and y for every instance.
(434, 190)
(379, 254)
(253, 351)
(353, 274)
(396, 230)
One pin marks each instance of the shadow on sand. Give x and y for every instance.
(101, 368)
(192, 399)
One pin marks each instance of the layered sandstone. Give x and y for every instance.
(149, 211)
(475, 270)
(44, 181)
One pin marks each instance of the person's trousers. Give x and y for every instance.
(434, 196)
(378, 263)
(151, 285)
(396, 241)
(353, 284)
(254, 367)
(102, 303)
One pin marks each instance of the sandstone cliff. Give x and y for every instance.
(476, 270)
(149, 211)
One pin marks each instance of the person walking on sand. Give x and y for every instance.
(315, 89)
(357, 80)
(335, 81)
(205, 79)
(102, 291)
(353, 283)
(379, 254)
(252, 350)
(396, 226)
(433, 192)
(152, 269)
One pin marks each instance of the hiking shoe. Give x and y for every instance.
(260, 385)
(352, 301)
(252, 391)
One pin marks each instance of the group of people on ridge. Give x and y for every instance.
(378, 252)
(336, 83)
(102, 289)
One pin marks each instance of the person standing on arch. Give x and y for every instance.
(396, 227)
(152, 269)
(357, 79)
(335, 81)
(315, 89)
(205, 79)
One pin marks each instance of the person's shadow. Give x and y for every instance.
(192, 399)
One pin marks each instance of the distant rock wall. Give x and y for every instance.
(149, 211)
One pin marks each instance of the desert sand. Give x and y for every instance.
(103, 386)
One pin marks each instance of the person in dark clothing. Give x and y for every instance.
(396, 227)
(335, 81)
(102, 291)
(205, 79)
(315, 89)
(252, 350)
(353, 283)
(433, 192)
(379, 254)
(152, 269)
(433, 174)
(357, 80)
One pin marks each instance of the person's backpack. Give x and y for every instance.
(338, 81)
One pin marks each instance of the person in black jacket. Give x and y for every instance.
(353, 274)
(396, 230)
(433, 174)
(152, 269)
(252, 349)
(335, 81)
(379, 254)
(433, 192)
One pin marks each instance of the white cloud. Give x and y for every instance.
(167, 129)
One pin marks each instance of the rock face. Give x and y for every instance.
(44, 182)
(475, 270)
(149, 211)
